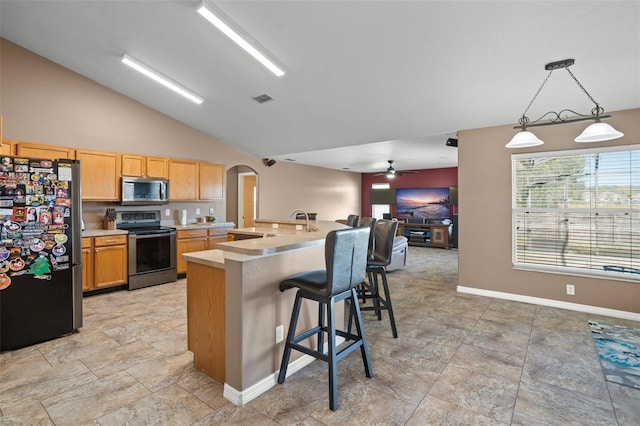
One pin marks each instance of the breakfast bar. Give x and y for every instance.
(234, 305)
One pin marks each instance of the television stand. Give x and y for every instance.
(425, 234)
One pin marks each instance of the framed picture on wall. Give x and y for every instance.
(422, 203)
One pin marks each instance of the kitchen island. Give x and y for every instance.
(234, 304)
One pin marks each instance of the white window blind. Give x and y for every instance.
(578, 212)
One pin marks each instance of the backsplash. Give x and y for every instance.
(93, 212)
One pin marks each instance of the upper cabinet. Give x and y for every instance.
(141, 166)
(157, 167)
(8, 147)
(102, 170)
(133, 165)
(100, 175)
(33, 150)
(211, 181)
(183, 178)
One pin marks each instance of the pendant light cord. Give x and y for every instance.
(598, 109)
(524, 120)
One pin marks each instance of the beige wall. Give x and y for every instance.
(484, 179)
(46, 103)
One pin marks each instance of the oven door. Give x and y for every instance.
(152, 258)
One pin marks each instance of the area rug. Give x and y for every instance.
(619, 351)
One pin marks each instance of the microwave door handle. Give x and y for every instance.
(161, 191)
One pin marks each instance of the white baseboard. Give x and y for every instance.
(242, 397)
(553, 303)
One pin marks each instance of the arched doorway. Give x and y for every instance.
(242, 195)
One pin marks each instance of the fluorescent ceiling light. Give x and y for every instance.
(240, 41)
(156, 76)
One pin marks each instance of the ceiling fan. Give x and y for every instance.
(391, 172)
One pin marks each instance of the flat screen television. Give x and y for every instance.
(422, 203)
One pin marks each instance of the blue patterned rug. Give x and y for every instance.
(619, 350)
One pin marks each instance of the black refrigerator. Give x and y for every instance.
(40, 250)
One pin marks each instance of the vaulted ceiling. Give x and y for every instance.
(365, 82)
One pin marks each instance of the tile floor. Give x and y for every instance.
(460, 359)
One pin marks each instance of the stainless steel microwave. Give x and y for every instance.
(144, 191)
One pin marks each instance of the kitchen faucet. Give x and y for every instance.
(306, 216)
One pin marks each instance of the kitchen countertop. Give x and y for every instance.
(87, 233)
(213, 258)
(277, 240)
(205, 225)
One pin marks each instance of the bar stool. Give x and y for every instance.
(384, 232)
(353, 220)
(346, 261)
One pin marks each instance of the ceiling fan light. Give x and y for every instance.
(524, 139)
(598, 132)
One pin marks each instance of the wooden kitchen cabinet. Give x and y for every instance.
(87, 264)
(34, 150)
(188, 241)
(217, 235)
(8, 147)
(100, 175)
(183, 178)
(157, 167)
(210, 181)
(141, 166)
(110, 261)
(133, 165)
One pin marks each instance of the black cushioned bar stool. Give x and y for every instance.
(353, 220)
(384, 232)
(346, 262)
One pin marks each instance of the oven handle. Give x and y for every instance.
(140, 237)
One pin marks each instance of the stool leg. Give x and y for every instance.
(392, 319)
(375, 291)
(347, 304)
(364, 349)
(321, 308)
(333, 368)
(290, 336)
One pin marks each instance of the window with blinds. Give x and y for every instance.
(578, 212)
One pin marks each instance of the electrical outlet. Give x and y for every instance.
(167, 212)
(571, 289)
(298, 227)
(279, 333)
(274, 225)
(210, 211)
(197, 211)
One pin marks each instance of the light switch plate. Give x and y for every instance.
(197, 211)
(167, 212)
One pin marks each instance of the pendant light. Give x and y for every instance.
(596, 132)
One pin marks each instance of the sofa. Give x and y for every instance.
(399, 254)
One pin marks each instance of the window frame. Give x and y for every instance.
(591, 271)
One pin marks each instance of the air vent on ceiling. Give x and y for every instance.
(262, 98)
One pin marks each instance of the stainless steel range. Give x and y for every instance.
(152, 248)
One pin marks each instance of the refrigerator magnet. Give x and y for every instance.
(58, 250)
(37, 245)
(5, 281)
(16, 264)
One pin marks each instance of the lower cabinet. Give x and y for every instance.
(87, 264)
(217, 235)
(188, 241)
(104, 262)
